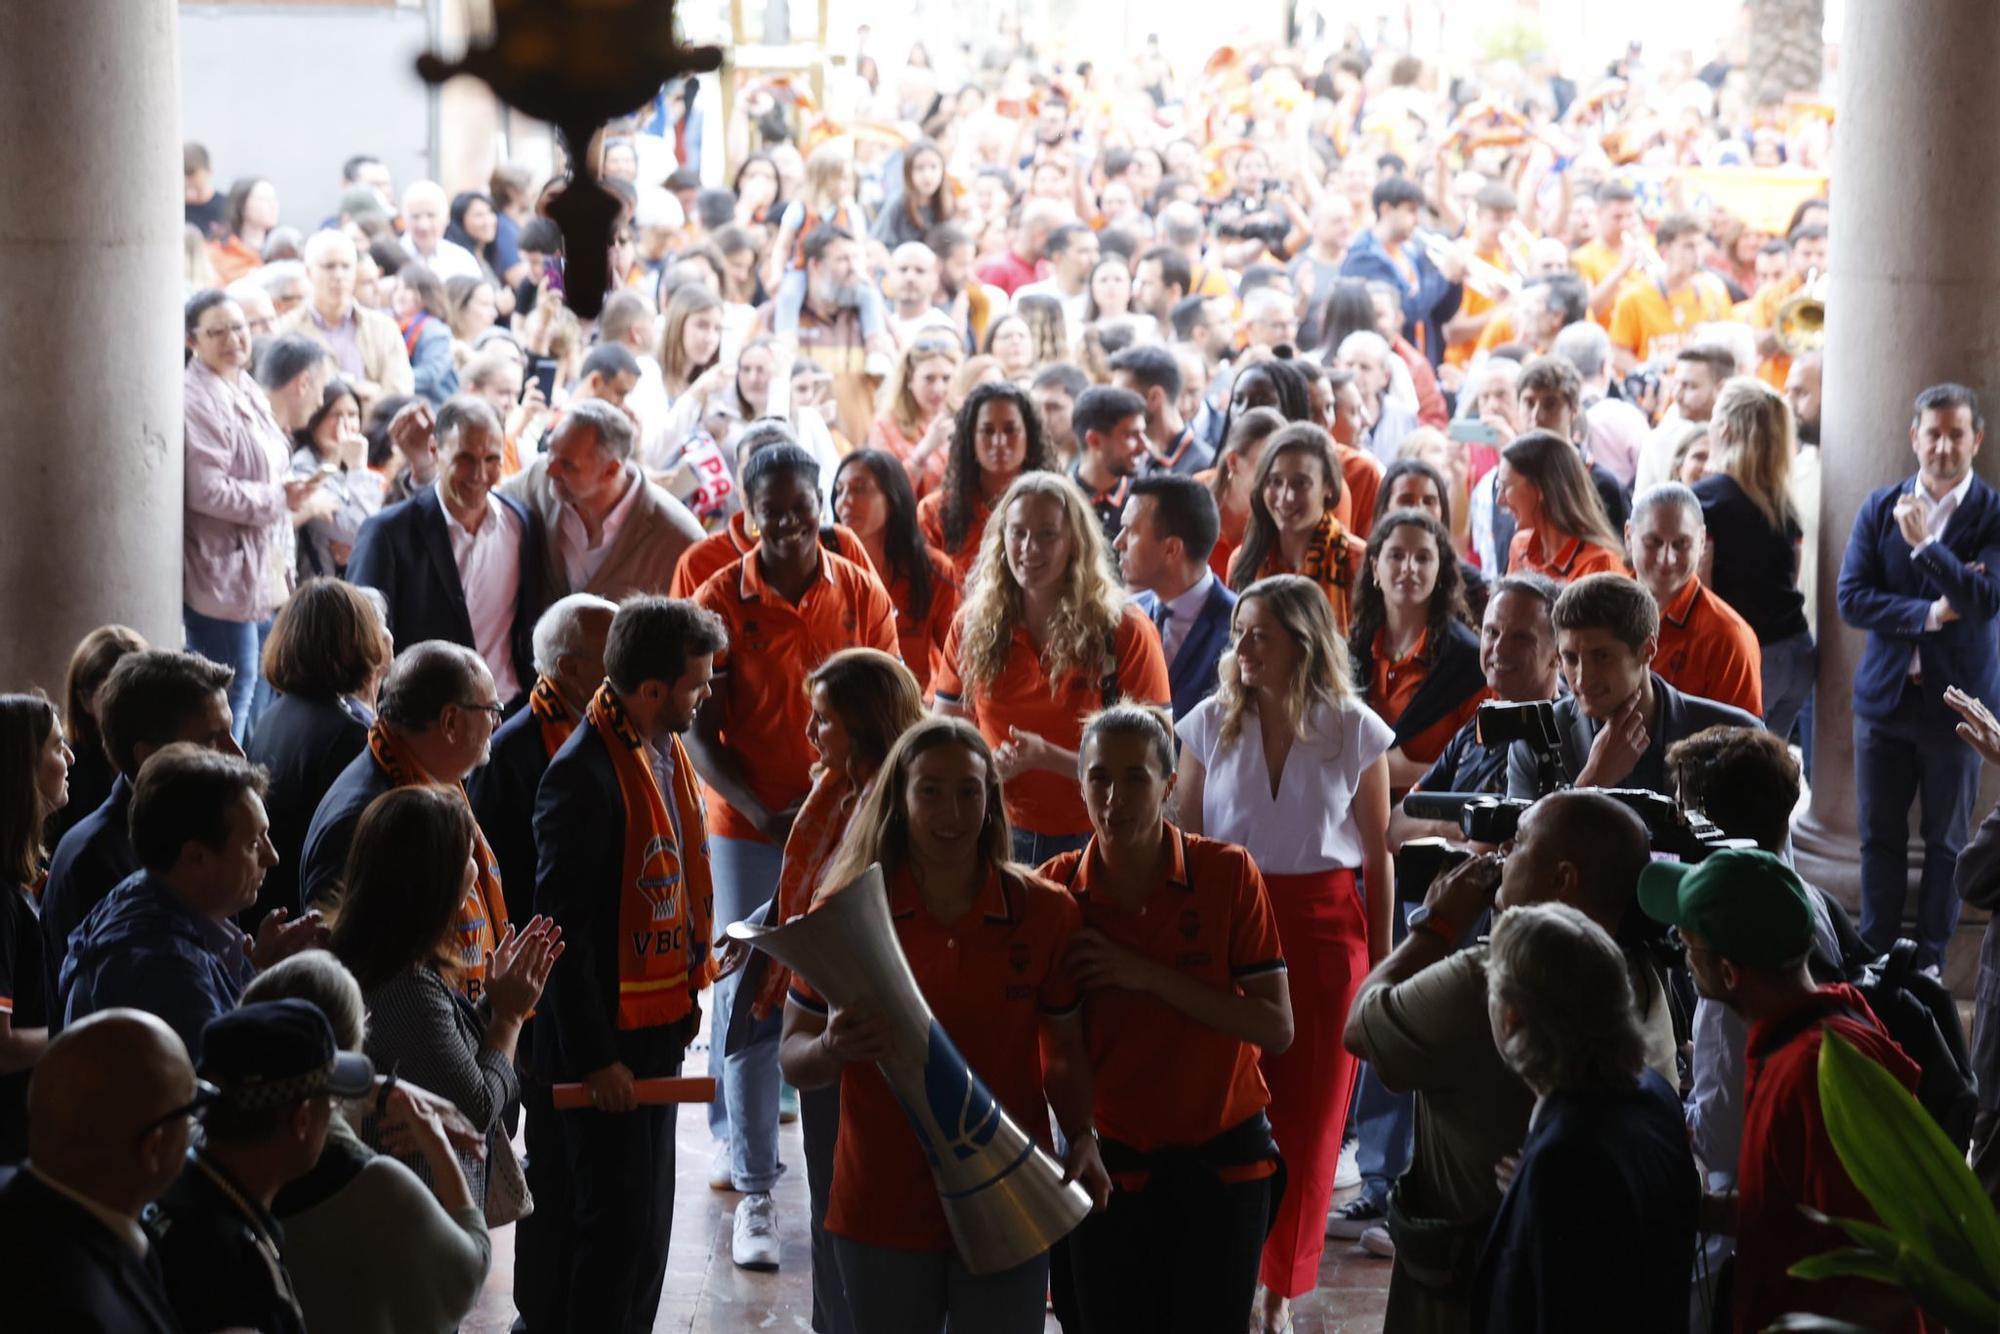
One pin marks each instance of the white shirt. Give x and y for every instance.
(662, 762)
(1072, 306)
(1937, 513)
(1309, 826)
(127, 1231)
(1181, 614)
(651, 404)
(452, 260)
(489, 573)
(581, 561)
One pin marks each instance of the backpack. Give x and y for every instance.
(1922, 1017)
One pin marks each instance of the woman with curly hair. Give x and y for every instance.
(1293, 528)
(1415, 654)
(996, 437)
(1045, 638)
(1286, 761)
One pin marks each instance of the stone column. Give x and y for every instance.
(90, 328)
(1915, 300)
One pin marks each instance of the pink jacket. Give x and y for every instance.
(235, 496)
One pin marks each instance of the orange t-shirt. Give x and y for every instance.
(1160, 1078)
(1360, 484)
(1022, 696)
(922, 639)
(930, 521)
(1392, 685)
(1476, 303)
(1648, 321)
(1707, 649)
(990, 978)
(760, 675)
(889, 437)
(716, 552)
(1573, 560)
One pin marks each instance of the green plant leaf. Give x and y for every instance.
(1959, 1301)
(1915, 1179)
(1849, 1263)
(1815, 1324)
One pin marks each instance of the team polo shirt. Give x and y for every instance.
(930, 522)
(1651, 322)
(1706, 649)
(1162, 1079)
(720, 550)
(1594, 261)
(760, 675)
(1107, 503)
(1189, 457)
(1393, 684)
(990, 978)
(1022, 696)
(1573, 560)
(921, 638)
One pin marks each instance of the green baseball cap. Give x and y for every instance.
(1747, 904)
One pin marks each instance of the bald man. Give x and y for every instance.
(912, 287)
(425, 216)
(110, 1113)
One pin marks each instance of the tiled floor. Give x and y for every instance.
(707, 1294)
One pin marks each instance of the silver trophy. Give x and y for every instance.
(1004, 1198)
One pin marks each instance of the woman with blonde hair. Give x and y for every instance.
(1293, 528)
(964, 917)
(1286, 761)
(1048, 333)
(1562, 530)
(1752, 556)
(915, 422)
(1046, 637)
(1012, 343)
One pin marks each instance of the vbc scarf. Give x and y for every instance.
(546, 703)
(815, 836)
(482, 917)
(666, 899)
(1326, 563)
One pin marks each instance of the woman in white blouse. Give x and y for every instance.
(1285, 760)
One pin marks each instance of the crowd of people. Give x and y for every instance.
(1102, 523)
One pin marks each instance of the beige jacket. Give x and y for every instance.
(383, 357)
(643, 554)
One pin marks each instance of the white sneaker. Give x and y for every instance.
(1348, 1175)
(719, 1177)
(1377, 1241)
(755, 1244)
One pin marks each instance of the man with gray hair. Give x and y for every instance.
(460, 561)
(1616, 431)
(612, 530)
(1706, 648)
(1366, 355)
(365, 343)
(425, 212)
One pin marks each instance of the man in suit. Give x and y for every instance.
(622, 855)
(1922, 577)
(110, 1113)
(611, 531)
(460, 561)
(1614, 729)
(1170, 527)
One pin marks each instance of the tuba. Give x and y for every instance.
(1005, 1199)
(1799, 325)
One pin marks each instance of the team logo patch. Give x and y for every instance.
(660, 877)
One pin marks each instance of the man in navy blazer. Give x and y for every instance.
(1170, 526)
(459, 561)
(1922, 577)
(1388, 252)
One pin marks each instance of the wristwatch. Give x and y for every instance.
(1425, 918)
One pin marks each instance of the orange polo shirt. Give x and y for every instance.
(1648, 321)
(1707, 649)
(1360, 484)
(922, 638)
(1040, 801)
(990, 978)
(1760, 312)
(1573, 560)
(1393, 684)
(718, 551)
(930, 522)
(1476, 303)
(1338, 596)
(1162, 1079)
(760, 675)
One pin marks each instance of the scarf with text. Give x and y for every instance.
(546, 703)
(482, 917)
(816, 833)
(1329, 562)
(666, 899)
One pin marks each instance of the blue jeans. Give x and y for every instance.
(1032, 849)
(1912, 754)
(744, 1112)
(1789, 668)
(233, 644)
(1385, 1123)
(791, 299)
(916, 1292)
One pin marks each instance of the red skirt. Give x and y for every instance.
(1324, 930)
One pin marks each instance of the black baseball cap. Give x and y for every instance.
(275, 1053)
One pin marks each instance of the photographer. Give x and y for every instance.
(1420, 1020)
(1517, 652)
(1615, 729)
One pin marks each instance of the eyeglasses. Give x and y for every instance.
(495, 711)
(206, 1095)
(226, 331)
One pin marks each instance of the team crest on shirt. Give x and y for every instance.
(660, 877)
(1019, 956)
(1190, 924)
(1676, 665)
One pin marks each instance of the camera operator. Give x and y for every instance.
(1517, 652)
(1420, 1020)
(1615, 728)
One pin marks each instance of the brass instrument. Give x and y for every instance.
(1799, 325)
(1489, 280)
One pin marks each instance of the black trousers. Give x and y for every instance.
(620, 1218)
(819, 1118)
(542, 1239)
(1178, 1257)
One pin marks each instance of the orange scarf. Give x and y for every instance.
(482, 917)
(557, 722)
(666, 901)
(816, 832)
(1328, 562)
